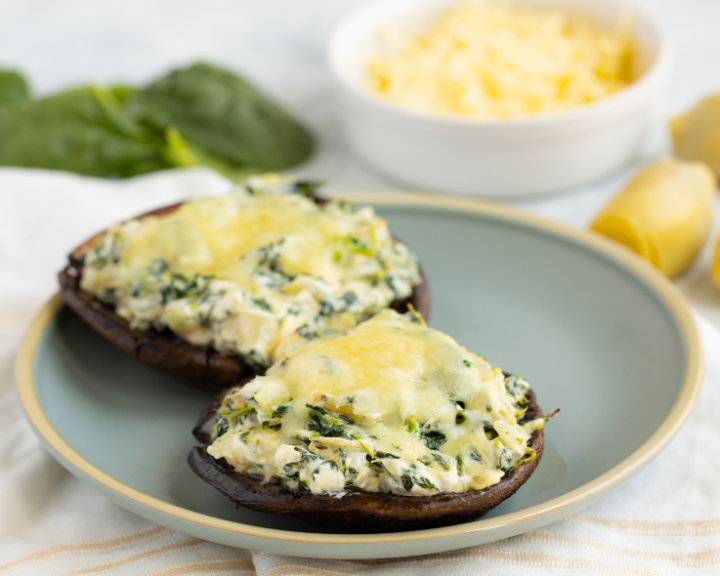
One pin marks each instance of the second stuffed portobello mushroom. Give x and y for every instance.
(394, 426)
(216, 289)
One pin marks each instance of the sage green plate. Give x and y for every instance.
(595, 330)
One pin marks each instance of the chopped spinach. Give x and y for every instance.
(272, 280)
(433, 459)
(517, 388)
(331, 464)
(506, 461)
(490, 431)
(326, 308)
(346, 206)
(459, 417)
(407, 481)
(411, 424)
(433, 439)
(347, 300)
(269, 256)
(307, 187)
(261, 303)
(311, 333)
(351, 475)
(345, 245)
(281, 410)
(158, 266)
(425, 483)
(222, 425)
(180, 286)
(109, 251)
(379, 454)
(327, 424)
(409, 478)
(460, 465)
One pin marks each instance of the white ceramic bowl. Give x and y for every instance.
(488, 157)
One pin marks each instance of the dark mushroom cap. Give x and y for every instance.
(357, 510)
(166, 351)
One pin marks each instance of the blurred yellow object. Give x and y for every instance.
(664, 213)
(716, 264)
(696, 135)
(492, 59)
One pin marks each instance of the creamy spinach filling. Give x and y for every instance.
(391, 407)
(254, 272)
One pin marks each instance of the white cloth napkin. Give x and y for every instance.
(664, 521)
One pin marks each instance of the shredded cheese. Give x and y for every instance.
(501, 60)
(392, 406)
(253, 272)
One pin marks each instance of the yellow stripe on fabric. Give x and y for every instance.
(650, 527)
(551, 560)
(688, 559)
(299, 570)
(230, 566)
(510, 557)
(163, 550)
(86, 547)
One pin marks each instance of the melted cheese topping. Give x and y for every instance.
(394, 406)
(501, 60)
(253, 272)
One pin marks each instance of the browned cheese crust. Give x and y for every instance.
(357, 510)
(165, 351)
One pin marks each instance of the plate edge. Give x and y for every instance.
(669, 294)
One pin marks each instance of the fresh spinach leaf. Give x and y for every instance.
(197, 116)
(85, 130)
(225, 116)
(13, 88)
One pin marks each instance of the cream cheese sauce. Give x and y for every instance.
(393, 406)
(254, 272)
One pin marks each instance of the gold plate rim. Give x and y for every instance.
(663, 287)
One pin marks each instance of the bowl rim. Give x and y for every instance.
(651, 77)
(666, 291)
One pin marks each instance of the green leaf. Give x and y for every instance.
(85, 130)
(123, 92)
(13, 88)
(225, 116)
(179, 153)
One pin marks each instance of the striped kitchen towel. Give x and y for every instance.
(665, 521)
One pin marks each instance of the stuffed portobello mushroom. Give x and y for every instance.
(393, 426)
(216, 289)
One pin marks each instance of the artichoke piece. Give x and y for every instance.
(696, 135)
(664, 214)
